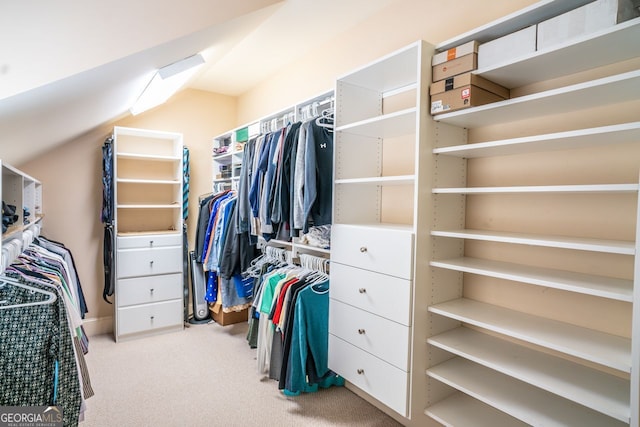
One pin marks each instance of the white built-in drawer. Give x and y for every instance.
(146, 317)
(388, 251)
(149, 241)
(374, 334)
(147, 289)
(145, 262)
(384, 295)
(377, 378)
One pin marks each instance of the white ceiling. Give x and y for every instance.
(67, 67)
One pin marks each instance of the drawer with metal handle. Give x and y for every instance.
(374, 334)
(140, 318)
(388, 251)
(147, 289)
(149, 241)
(145, 262)
(374, 376)
(381, 294)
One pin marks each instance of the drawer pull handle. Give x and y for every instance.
(151, 263)
(150, 242)
(361, 331)
(360, 371)
(152, 318)
(363, 249)
(151, 290)
(362, 290)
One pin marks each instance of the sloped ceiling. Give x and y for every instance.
(67, 67)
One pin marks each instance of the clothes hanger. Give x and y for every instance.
(325, 119)
(6, 281)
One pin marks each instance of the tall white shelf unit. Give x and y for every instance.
(494, 361)
(378, 318)
(22, 191)
(148, 224)
(234, 157)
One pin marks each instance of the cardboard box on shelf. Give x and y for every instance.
(464, 91)
(584, 20)
(454, 67)
(507, 48)
(455, 52)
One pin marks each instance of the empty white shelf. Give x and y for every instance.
(226, 157)
(598, 347)
(150, 157)
(149, 206)
(606, 287)
(393, 92)
(386, 126)
(381, 225)
(146, 233)
(522, 401)
(595, 188)
(148, 181)
(462, 410)
(577, 243)
(581, 138)
(570, 57)
(613, 89)
(594, 389)
(396, 70)
(380, 180)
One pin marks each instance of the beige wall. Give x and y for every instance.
(71, 179)
(400, 24)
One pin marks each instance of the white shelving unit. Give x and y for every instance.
(22, 191)
(382, 148)
(605, 349)
(589, 387)
(529, 404)
(148, 225)
(511, 355)
(231, 161)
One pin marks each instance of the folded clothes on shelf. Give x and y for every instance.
(319, 236)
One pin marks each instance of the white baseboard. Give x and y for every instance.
(98, 325)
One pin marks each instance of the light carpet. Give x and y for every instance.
(205, 375)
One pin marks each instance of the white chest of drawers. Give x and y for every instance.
(369, 312)
(148, 284)
(148, 224)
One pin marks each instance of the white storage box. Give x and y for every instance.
(507, 48)
(584, 20)
(455, 52)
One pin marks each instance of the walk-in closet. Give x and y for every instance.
(371, 213)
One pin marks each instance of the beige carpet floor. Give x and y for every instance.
(205, 375)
